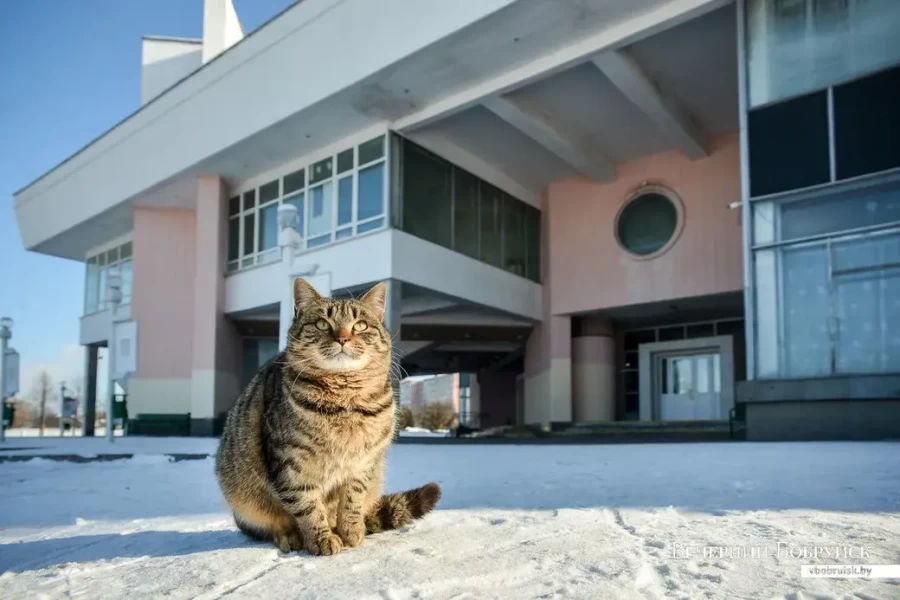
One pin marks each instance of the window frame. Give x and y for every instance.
(484, 189)
(101, 297)
(645, 189)
(261, 256)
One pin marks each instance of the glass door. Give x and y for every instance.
(690, 386)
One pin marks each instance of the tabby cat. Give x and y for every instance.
(301, 461)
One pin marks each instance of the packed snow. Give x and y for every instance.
(727, 520)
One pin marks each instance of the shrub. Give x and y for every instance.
(436, 415)
(405, 417)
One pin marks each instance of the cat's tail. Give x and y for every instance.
(393, 511)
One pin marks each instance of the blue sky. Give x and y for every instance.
(68, 72)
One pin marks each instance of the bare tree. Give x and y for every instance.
(43, 388)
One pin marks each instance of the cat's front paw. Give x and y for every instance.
(327, 545)
(352, 533)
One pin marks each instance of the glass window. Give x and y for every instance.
(491, 235)
(826, 213)
(342, 234)
(867, 304)
(125, 270)
(371, 150)
(269, 192)
(513, 235)
(125, 250)
(249, 234)
(668, 334)
(633, 339)
(234, 239)
(867, 124)
(345, 161)
(345, 200)
(295, 181)
(249, 360)
(91, 286)
(320, 202)
(234, 206)
(297, 200)
(249, 200)
(682, 375)
(647, 223)
(426, 195)
(788, 145)
(371, 192)
(268, 227)
(103, 289)
(465, 213)
(701, 330)
(112, 256)
(796, 46)
(533, 243)
(370, 225)
(703, 374)
(320, 171)
(805, 311)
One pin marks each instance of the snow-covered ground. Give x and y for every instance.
(601, 521)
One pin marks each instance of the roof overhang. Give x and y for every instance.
(289, 89)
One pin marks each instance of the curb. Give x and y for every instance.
(77, 458)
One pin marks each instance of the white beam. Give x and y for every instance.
(418, 306)
(468, 160)
(471, 318)
(672, 122)
(664, 16)
(581, 157)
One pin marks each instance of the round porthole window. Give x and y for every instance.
(648, 222)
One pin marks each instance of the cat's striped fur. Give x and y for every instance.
(301, 461)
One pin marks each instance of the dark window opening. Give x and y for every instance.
(788, 145)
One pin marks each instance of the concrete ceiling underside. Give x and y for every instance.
(674, 89)
(538, 90)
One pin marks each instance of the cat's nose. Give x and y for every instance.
(343, 336)
(342, 340)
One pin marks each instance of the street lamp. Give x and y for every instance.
(6, 325)
(114, 283)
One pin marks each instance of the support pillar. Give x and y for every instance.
(216, 348)
(392, 317)
(594, 372)
(90, 389)
(548, 351)
(548, 372)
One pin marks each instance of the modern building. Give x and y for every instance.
(416, 392)
(599, 211)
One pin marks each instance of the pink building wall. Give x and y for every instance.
(163, 291)
(588, 270)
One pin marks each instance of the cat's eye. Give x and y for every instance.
(360, 326)
(322, 325)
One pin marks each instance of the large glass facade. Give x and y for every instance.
(794, 46)
(444, 204)
(824, 183)
(827, 274)
(99, 266)
(336, 197)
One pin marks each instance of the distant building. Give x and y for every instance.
(416, 393)
(598, 210)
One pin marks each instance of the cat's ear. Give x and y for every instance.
(304, 293)
(375, 299)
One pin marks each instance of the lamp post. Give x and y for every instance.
(5, 335)
(114, 283)
(62, 407)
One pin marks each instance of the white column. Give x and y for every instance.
(290, 242)
(115, 297)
